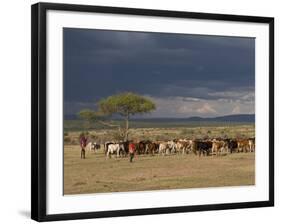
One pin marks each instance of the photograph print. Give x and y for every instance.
(147, 111)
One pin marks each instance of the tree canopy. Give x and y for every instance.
(126, 104)
(123, 104)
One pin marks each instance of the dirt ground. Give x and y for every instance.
(96, 174)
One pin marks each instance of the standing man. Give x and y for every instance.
(132, 150)
(83, 143)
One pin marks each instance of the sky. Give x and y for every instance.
(184, 75)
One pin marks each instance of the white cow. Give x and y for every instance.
(91, 146)
(95, 146)
(106, 144)
(251, 145)
(171, 147)
(88, 146)
(115, 148)
(162, 148)
(167, 147)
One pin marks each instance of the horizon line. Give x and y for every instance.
(219, 116)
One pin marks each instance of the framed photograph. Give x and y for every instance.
(140, 111)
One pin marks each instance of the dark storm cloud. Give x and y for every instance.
(100, 63)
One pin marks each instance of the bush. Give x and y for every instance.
(187, 132)
(86, 133)
(67, 140)
(116, 136)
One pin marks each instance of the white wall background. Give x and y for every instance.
(15, 109)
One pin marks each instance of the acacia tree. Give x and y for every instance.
(123, 104)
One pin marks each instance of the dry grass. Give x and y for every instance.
(97, 174)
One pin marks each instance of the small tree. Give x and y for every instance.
(123, 104)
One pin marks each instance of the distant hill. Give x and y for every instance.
(228, 118)
(241, 118)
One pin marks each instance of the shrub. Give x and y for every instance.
(117, 136)
(86, 133)
(187, 131)
(67, 140)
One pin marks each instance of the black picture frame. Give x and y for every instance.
(38, 108)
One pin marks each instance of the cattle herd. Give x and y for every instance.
(199, 147)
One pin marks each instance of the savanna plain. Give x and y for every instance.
(99, 174)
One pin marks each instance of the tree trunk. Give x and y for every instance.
(126, 135)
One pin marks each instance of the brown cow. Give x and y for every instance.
(151, 148)
(140, 147)
(218, 146)
(242, 145)
(183, 146)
